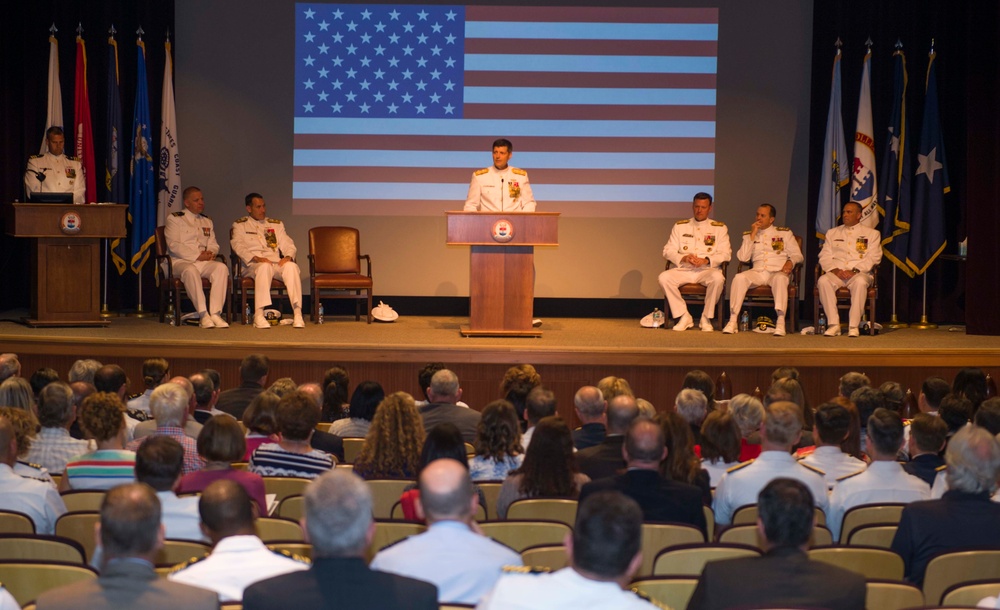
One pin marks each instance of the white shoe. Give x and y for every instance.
(685, 322)
(706, 325)
(731, 327)
(536, 323)
(833, 330)
(853, 332)
(259, 321)
(779, 326)
(298, 322)
(206, 321)
(218, 321)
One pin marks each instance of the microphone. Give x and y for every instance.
(39, 175)
(501, 193)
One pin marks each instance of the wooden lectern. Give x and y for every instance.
(66, 259)
(502, 269)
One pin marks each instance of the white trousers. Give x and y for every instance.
(710, 277)
(752, 278)
(191, 274)
(827, 286)
(263, 273)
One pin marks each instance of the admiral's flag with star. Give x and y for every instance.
(612, 110)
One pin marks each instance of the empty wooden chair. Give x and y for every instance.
(659, 536)
(868, 514)
(520, 535)
(869, 561)
(889, 595)
(957, 567)
(26, 580)
(690, 559)
(544, 509)
(35, 547)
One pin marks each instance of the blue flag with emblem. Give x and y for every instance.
(142, 196)
(834, 174)
(927, 237)
(896, 173)
(114, 179)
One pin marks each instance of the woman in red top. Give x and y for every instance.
(220, 443)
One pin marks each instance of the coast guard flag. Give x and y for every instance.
(169, 199)
(114, 179)
(611, 109)
(82, 131)
(835, 170)
(896, 171)
(54, 112)
(142, 200)
(927, 238)
(864, 189)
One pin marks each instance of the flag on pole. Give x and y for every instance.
(835, 170)
(83, 134)
(170, 161)
(142, 200)
(864, 185)
(54, 114)
(896, 168)
(927, 238)
(114, 179)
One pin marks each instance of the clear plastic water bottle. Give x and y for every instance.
(246, 315)
(821, 323)
(745, 321)
(657, 317)
(319, 317)
(170, 315)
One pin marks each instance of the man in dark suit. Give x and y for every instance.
(205, 397)
(443, 394)
(660, 499)
(338, 522)
(927, 439)
(784, 576)
(131, 535)
(605, 459)
(253, 376)
(965, 516)
(592, 410)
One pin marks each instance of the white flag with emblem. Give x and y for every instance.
(169, 162)
(864, 187)
(54, 115)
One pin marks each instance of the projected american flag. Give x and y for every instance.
(611, 110)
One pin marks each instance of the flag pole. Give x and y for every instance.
(894, 322)
(925, 324)
(140, 311)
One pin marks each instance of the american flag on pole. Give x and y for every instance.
(612, 110)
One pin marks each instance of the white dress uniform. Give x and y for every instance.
(833, 462)
(769, 251)
(33, 471)
(188, 235)
(741, 485)
(858, 248)
(62, 175)
(463, 564)
(37, 499)
(882, 482)
(267, 238)
(236, 563)
(500, 190)
(706, 239)
(563, 589)
(141, 402)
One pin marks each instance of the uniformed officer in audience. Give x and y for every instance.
(266, 250)
(606, 552)
(698, 247)
(37, 499)
(238, 558)
(192, 246)
(774, 253)
(53, 171)
(500, 187)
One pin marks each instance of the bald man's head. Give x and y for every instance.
(622, 410)
(645, 444)
(446, 491)
(226, 510)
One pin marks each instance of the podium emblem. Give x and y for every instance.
(70, 223)
(503, 231)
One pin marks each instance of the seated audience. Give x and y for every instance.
(720, 444)
(283, 386)
(691, 405)
(749, 414)
(498, 443)
(17, 392)
(158, 464)
(831, 426)
(53, 446)
(928, 435)
(592, 410)
(253, 376)
(154, 372)
(605, 459)
(549, 468)
(169, 404)
(443, 441)
(25, 426)
(261, 421)
(293, 455)
(444, 394)
(37, 499)
(681, 464)
(395, 438)
(517, 382)
(110, 464)
(541, 402)
(220, 444)
(364, 401)
(612, 386)
(41, 378)
(336, 384)
(424, 376)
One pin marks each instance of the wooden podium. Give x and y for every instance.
(66, 258)
(502, 269)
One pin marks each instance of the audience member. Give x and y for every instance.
(932, 391)
(444, 394)
(158, 464)
(37, 499)
(112, 378)
(338, 523)
(53, 446)
(293, 455)
(928, 435)
(970, 383)
(517, 382)
(867, 400)
(605, 551)
(154, 371)
(424, 376)
(191, 426)
(498, 443)
(988, 415)
(956, 411)
(791, 390)
(16, 392)
(364, 402)
(238, 558)
(25, 426)
(549, 468)
(169, 405)
(541, 402)
(220, 444)
(592, 410)
(110, 464)
(851, 381)
(283, 386)
(692, 405)
(681, 463)
(784, 576)
(10, 366)
(41, 378)
(205, 397)
(612, 386)
(395, 438)
(261, 421)
(830, 427)
(462, 563)
(130, 535)
(443, 441)
(83, 370)
(720, 444)
(893, 395)
(699, 380)
(605, 459)
(324, 441)
(646, 408)
(253, 375)
(749, 414)
(336, 388)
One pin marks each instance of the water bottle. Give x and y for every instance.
(821, 323)
(319, 317)
(170, 314)
(745, 321)
(657, 317)
(246, 315)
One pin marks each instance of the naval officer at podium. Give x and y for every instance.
(500, 188)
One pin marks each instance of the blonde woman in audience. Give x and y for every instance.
(612, 386)
(16, 392)
(498, 443)
(283, 386)
(394, 441)
(646, 408)
(25, 427)
(102, 420)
